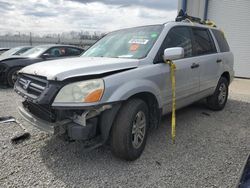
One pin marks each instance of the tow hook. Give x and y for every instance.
(19, 137)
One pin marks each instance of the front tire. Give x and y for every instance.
(12, 76)
(129, 132)
(219, 99)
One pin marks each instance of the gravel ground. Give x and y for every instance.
(210, 150)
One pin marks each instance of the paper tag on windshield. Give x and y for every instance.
(138, 41)
(134, 47)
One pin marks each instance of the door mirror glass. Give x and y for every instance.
(173, 53)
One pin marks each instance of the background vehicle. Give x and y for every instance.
(244, 181)
(121, 86)
(10, 66)
(2, 50)
(15, 51)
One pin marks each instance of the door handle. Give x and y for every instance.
(194, 65)
(218, 61)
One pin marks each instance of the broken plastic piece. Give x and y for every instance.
(7, 119)
(20, 138)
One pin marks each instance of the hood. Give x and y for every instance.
(81, 66)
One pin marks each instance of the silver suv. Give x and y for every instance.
(120, 87)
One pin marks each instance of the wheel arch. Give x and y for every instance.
(226, 75)
(153, 107)
(9, 71)
(108, 117)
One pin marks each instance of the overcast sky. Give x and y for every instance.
(56, 16)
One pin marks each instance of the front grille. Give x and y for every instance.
(32, 86)
(42, 111)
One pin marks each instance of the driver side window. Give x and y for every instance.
(179, 36)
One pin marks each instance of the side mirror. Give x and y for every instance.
(173, 53)
(46, 55)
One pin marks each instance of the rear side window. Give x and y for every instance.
(179, 37)
(203, 43)
(224, 47)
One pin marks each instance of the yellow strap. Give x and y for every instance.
(210, 23)
(173, 122)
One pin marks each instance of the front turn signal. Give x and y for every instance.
(94, 96)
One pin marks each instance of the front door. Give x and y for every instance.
(187, 70)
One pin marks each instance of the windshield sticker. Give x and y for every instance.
(138, 41)
(125, 56)
(154, 35)
(134, 47)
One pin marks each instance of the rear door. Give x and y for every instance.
(205, 54)
(187, 72)
(225, 56)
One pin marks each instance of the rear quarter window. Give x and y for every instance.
(222, 42)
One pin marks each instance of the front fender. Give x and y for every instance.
(130, 88)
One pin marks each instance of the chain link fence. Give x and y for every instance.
(14, 41)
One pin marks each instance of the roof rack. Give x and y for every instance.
(182, 16)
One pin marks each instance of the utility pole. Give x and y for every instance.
(59, 41)
(30, 39)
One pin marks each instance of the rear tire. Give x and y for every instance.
(219, 99)
(12, 76)
(129, 132)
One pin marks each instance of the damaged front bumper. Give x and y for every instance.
(78, 121)
(52, 128)
(82, 126)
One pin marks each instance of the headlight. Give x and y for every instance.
(85, 91)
